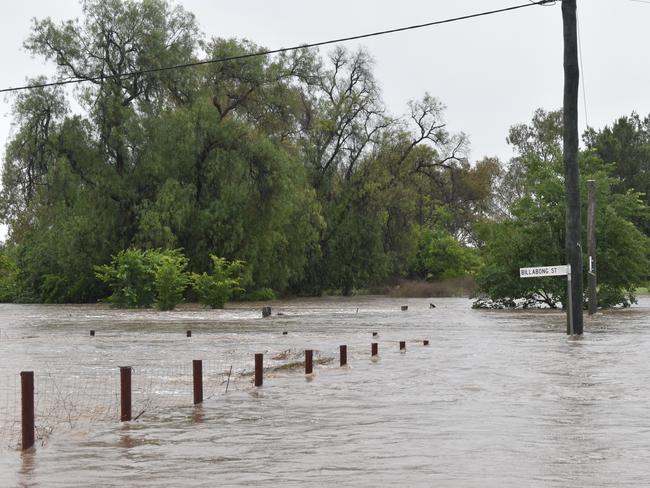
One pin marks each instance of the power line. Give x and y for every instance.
(530, 3)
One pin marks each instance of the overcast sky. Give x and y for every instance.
(490, 72)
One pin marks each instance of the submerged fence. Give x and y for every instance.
(35, 406)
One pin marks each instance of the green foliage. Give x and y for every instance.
(171, 280)
(626, 143)
(215, 289)
(440, 256)
(289, 163)
(354, 253)
(259, 295)
(140, 278)
(8, 278)
(130, 276)
(533, 234)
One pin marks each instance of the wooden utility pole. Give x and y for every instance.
(571, 170)
(591, 245)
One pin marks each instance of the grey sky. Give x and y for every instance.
(491, 72)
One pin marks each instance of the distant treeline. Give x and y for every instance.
(290, 164)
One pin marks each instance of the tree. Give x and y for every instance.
(440, 256)
(288, 162)
(534, 234)
(626, 144)
(155, 160)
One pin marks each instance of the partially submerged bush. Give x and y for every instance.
(140, 278)
(130, 276)
(215, 289)
(171, 280)
(261, 294)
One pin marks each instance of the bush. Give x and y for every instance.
(259, 295)
(53, 287)
(130, 276)
(140, 278)
(214, 290)
(609, 297)
(171, 280)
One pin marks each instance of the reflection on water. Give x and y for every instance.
(198, 417)
(26, 473)
(498, 398)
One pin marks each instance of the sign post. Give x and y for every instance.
(570, 301)
(560, 270)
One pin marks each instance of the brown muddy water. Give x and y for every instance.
(499, 398)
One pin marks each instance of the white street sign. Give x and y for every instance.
(560, 270)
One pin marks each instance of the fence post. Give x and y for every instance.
(309, 361)
(374, 349)
(259, 369)
(125, 393)
(402, 345)
(27, 397)
(197, 373)
(344, 355)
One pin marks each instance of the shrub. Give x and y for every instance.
(171, 280)
(261, 294)
(53, 287)
(140, 278)
(214, 290)
(130, 276)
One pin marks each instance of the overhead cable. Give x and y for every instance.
(274, 51)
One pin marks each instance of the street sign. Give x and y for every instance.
(560, 270)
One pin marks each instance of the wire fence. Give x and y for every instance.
(64, 400)
(9, 411)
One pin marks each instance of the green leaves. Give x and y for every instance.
(8, 278)
(170, 280)
(131, 277)
(215, 289)
(533, 234)
(140, 278)
(439, 256)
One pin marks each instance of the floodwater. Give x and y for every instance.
(498, 398)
